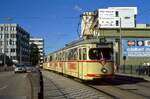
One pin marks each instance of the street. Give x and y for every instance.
(16, 86)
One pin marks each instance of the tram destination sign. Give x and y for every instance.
(136, 47)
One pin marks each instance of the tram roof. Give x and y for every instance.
(83, 41)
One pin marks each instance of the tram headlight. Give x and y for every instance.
(104, 70)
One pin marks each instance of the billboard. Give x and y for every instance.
(107, 18)
(136, 47)
(112, 17)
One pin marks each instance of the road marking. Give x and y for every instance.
(3, 87)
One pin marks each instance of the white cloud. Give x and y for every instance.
(77, 8)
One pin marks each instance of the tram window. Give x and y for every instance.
(75, 54)
(100, 53)
(50, 58)
(63, 56)
(45, 59)
(84, 54)
(69, 55)
(60, 57)
(66, 56)
(79, 54)
(72, 54)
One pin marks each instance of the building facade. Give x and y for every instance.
(14, 42)
(111, 17)
(118, 24)
(131, 45)
(40, 44)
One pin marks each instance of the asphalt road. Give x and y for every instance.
(15, 86)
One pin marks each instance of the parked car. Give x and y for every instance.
(28, 67)
(19, 68)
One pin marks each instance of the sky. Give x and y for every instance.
(57, 20)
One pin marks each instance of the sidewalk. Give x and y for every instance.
(145, 77)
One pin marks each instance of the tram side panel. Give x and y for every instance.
(45, 66)
(72, 68)
(80, 70)
(88, 71)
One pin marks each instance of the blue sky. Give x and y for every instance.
(57, 20)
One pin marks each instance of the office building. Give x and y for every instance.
(14, 42)
(40, 44)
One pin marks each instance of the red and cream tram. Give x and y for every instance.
(85, 59)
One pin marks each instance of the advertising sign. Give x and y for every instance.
(134, 47)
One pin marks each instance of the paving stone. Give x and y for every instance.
(59, 87)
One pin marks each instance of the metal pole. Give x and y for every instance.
(10, 45)
(114, 54)
(10, 49)
(120, 41)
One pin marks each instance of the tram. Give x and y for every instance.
(84, 59)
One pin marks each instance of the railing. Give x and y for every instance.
(134, 69)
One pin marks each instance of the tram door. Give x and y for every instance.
(82, 62)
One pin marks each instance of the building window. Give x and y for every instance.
(6, 36)
(13, 28)
(117, 23)
(6, 28)
(1, 50)
(14, 57)
(7, 42)
(13, 42)
(1, 28)
(1, 36)
(12, 35)
(13, 50)
(1, 43)
(126, 17)
(6, 50)
(117, 14)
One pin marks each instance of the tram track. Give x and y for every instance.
(117, 93)
(114, 92)
(138, 81)
(104, 92)
(120, 89)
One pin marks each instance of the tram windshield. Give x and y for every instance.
(100, 53)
